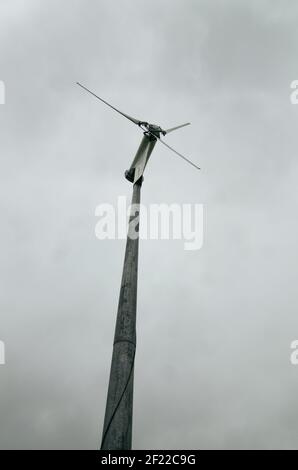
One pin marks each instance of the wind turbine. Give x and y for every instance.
(117, 429)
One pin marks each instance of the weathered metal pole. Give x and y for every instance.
(117, 430)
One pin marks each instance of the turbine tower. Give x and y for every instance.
(117, 429)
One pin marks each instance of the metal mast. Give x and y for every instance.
(117, 430)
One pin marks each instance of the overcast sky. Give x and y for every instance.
(215, 325)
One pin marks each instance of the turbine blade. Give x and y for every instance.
(173, 150)
(177, 127)
(179, 154)
(135, 121)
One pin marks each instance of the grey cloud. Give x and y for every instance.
(214, 326)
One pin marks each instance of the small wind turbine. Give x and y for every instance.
(117, 429)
